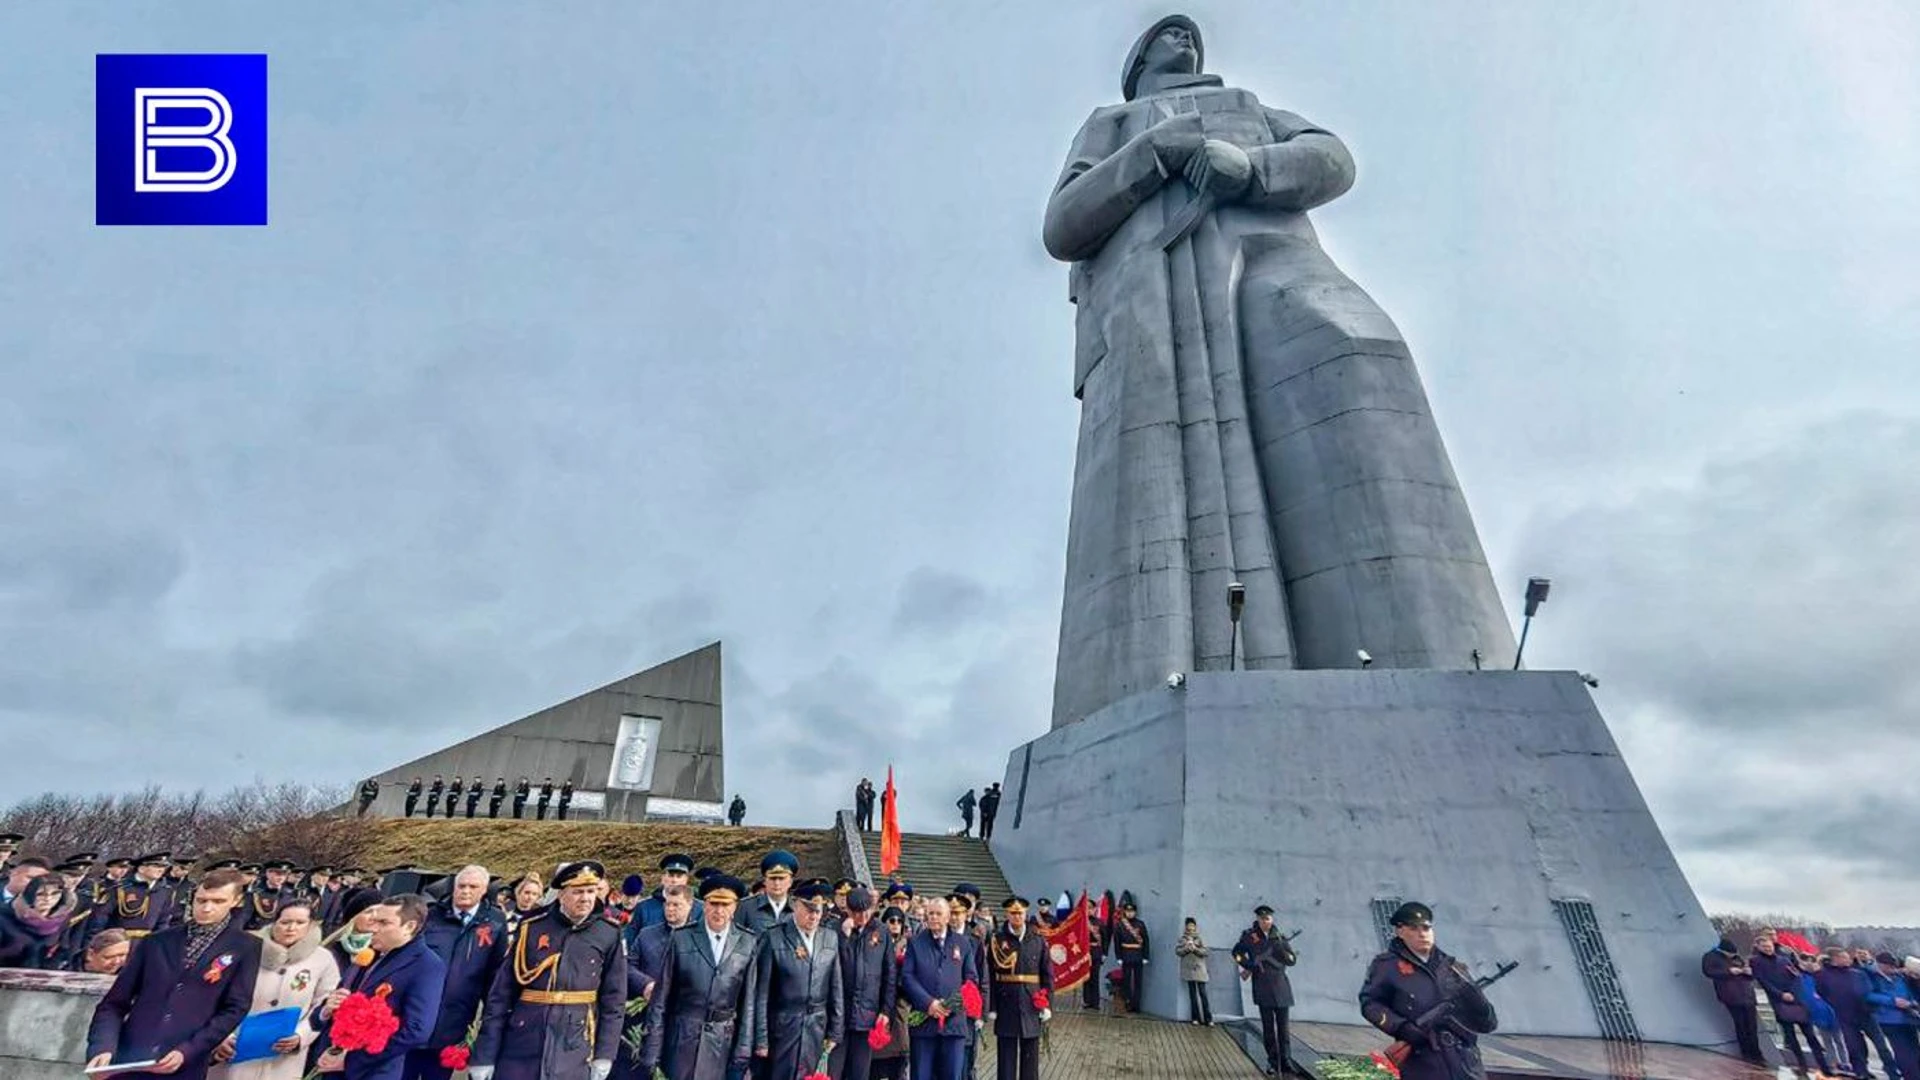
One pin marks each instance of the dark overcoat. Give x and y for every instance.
(530, 1040)
(934, 971)
(473, 952)
(801, 999)
(1266, 956)
(1018, 966)
(411, 979)
(1401, 987)
(870, 975)
(159, 1003)
(705, 1022)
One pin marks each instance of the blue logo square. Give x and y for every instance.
(180, 140)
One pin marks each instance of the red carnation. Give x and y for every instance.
(1385, 1064)
(364, 1023)
(1041, 1000)
(880, 1036)
(970, 1001)
(455, 1057)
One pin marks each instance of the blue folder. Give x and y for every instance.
(259, 1031)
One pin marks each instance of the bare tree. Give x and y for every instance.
(261, 820)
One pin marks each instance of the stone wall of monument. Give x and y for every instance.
(43, 1022)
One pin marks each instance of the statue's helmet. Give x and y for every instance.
(1137, 56)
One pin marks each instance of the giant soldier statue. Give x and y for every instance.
(1247, 412)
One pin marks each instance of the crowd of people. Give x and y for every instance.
(1831, 1005)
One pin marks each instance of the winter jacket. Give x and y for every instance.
(1817, 1006)
(1882, 989)
(1193, 957)
(1732, 985)
(300, 977)
(1845, 989)
(1780, 978)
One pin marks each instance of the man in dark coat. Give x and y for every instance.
(1412, 977)
(433, 793)
(521, 790)
(369, 791)
(139, 904)
(646, 963)
(183, 990)
(989, 809)
(1018, 966)
(1779, 978)
(736, 810)
(966, 804)
(455, 792)
(799, 1014)
(469, 936)
(557, 1005)
(499, 797)
(1845, 989)
(264, 898)
(405, 973)
(474, 791)
(546, 797)
(1133, 949)
(863, 805)
(1733, 988)
(760, 913)
(938, 963)
(675, 870)
(413, 797)
(871, 977)
(1264, 958)
(566, 797)
(706, 993)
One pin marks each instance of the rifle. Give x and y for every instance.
(1402, 1049)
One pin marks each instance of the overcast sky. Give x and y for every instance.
(583, 335)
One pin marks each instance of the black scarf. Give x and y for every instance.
(200, 937)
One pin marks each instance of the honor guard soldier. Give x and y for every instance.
(413, 797)
(499, 797)
(369, 791)
(474, 791)
(433, 793)
(705, 1000)
(557, 1004)
(1019, 970)
(1410, 979)
(546, 796)
(759, 914)
(1264, 957)
(566, 797)
(1133, 949)
(139, 905)
(455, 792)
(800, 1012)
(262, 903)
(521, 791)
(871, 975)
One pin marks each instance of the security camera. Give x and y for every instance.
(1590, 680)
(1366, 658)
(1176, 680)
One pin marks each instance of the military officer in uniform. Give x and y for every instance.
(262, 902)
(566, 796)
(433, 794)
(369, 791)
(1133, 949)
(799, 1012)
(413, 797)
(455, 792)
(557, 1004)
(546, 796)
(760, 913)
(86, 892)
(963, 901)
(674, 870)
(1264, 957)
(705, 995)
(499, 797)
(140, 905)
(474, 790)
(1412, 977)
(1018, 968)
(521, 791)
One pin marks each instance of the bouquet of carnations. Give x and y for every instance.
(1378, 1067)
(457, 1056)
(966, 1001)
(362, 1022)
(1043, 1003)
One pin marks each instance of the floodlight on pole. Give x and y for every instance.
(1537, 589)
(1236, 600)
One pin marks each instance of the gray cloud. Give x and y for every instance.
(937, 602)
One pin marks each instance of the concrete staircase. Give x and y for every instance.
(933, 865)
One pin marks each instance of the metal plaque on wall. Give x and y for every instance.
(634, 753)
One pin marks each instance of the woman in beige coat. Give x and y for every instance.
(295, 972)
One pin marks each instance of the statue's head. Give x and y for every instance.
(1169, 47)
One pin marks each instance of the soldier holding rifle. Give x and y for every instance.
(1264, 957)
(1425, 1000)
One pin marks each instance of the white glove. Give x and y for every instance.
(1046, 1015)
(599, 1070)
(479, 1072)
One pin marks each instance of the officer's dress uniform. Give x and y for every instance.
(558, 1002)
(1133, 949)
(433, 796)
(801, 1001)
(705, 1022)
(1017, 966)
(261, 905)
(135, 907)
(1400, 987)
(413, 797)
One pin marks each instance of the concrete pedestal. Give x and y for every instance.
(1489, 795)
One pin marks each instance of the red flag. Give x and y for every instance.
(1790, 940)
(889, 827)
(1070, 950)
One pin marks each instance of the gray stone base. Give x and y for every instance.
(1488, 795)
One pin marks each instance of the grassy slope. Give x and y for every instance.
(511, 848)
